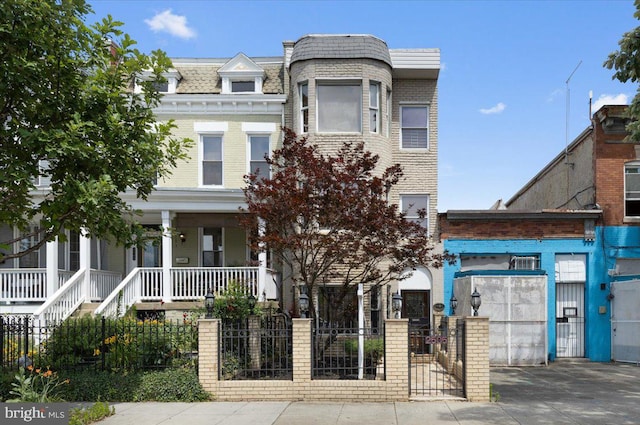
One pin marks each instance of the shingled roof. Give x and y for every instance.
(348, 46)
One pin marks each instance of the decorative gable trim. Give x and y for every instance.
(240, 70)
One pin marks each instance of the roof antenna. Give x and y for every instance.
(566, 131)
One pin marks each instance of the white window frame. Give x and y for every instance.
(374, 107)
(250, 159)
(405, 206)
(388, 114)
(402, 128)
(628, 166)
(202, 160)
(221, 247)
(338, 82)
(304, 109)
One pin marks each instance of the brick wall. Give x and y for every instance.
(395, 386)
(509, 229)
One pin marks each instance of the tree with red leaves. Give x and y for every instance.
(327, 219)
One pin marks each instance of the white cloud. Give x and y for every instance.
(610, 99)
(494, 110)
(170, 23)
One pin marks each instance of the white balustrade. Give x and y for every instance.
(65, 301)
(23, 284)
(103, 283)
(191, 283)
(126, 294)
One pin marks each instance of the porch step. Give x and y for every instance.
(85, 308)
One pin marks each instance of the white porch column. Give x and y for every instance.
(167, 256)
(262, 265)
(52, 267)
(85, 262)
(360, 331)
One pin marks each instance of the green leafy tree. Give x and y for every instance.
(626, 63)
(327, 218)
(69, 114)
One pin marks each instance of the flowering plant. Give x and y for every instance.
(37, 386)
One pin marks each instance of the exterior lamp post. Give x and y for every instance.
(396, 304)
(304, 305)
(453, 303)
(209, 300)
(252, 303)
(475, 301)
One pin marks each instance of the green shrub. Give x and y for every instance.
(92, 414)
(233, 304)
(166, 385)
(170, 385)
(373, 347)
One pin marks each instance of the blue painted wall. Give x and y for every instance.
(597, 324)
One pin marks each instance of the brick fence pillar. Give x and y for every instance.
(397, 358)
(476, 379)
(301, 350)
(208, 353)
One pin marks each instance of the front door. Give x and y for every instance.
(570, 320)
(415, 307)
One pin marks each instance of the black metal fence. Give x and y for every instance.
(97, 343)
(335, 353)
(436, 361)
(256, 348)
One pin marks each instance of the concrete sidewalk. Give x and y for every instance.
(563, 393)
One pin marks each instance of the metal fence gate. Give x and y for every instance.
(625, 321)
(436, 361)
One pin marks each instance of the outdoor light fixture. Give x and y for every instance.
(209, 300)
(453, 303)
(304, 304)
(183, 237)
(475, 301)
(396, 304)
(252, 303)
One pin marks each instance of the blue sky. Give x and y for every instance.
(503, 110)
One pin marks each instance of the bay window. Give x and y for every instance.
(339, 106)
(374, 107)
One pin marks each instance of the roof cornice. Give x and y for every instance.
(522, 214)
(221, 104)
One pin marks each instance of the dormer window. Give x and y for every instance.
(169, 86)
(241, 75)
(243, 86)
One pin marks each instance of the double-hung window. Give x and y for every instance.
(211, 160)
(339, 106)
(414, 132)
(374, 107)
(416, 208)
(632, 189)
(388, 115)
(304, 107)
(259, 150)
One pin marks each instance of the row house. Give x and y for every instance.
(330, 88)
(558, 268)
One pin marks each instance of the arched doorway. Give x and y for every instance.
(416, 297)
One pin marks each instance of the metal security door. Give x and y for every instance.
(625, 321)
(570, 320)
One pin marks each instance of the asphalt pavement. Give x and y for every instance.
(582, 393)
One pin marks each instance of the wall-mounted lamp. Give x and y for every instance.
(475, 301)
(453, 303)
(396, 304)
(209, 302)
(183, 237)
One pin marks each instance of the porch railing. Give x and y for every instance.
(64, 302)
(190, 283)
(23, 284)
(126, 294)
(103, 283)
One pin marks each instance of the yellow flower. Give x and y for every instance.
(96, 352)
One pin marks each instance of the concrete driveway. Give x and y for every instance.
(567, 392)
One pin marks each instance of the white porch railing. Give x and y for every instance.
(64, 302)
(103, 283)
(190, 283)
(23, 284)
(126, 294)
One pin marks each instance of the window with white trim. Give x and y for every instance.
(632, 189)
(414, 127)
(339, 106)
(243, 86)
(211, 160)
(416, 208)
(212, 248)
(388, 115)
(304, 107)
(374, 107)
(43, 179)
(259, 150)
